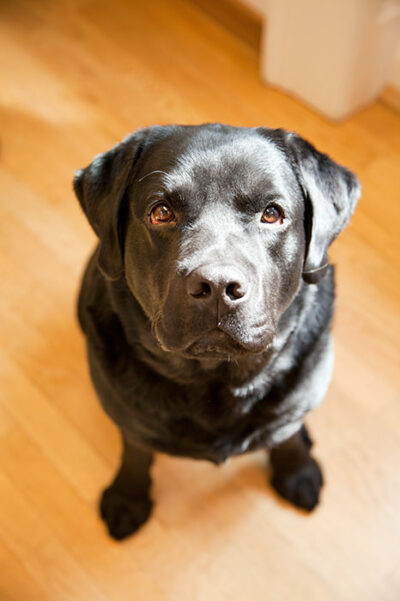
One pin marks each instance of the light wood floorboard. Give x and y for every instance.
(75, 77)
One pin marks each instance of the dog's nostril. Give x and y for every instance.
(217, 284)
(202, 290)
(235, 291)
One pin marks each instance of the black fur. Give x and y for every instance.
(219, 373)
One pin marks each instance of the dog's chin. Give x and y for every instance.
(216, 344)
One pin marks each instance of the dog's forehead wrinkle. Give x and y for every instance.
(164, 179)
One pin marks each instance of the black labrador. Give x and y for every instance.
(208, 301)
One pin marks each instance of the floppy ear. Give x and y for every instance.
(331, 193)
(100, 189)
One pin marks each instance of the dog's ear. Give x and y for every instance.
(330, 192)
(100, 189)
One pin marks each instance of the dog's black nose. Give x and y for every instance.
(224, 283)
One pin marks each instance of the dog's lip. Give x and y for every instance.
(216, 342)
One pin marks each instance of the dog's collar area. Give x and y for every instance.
(313, 276)
(317, 269)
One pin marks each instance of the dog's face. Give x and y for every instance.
(219, 228)
(214, 227)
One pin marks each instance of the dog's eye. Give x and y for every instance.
(272, 214)
(161, 214)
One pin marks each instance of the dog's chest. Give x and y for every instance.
(213, 423)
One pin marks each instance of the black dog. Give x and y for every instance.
(208, 301)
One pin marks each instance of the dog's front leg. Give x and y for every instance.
(126, 505)
(296, 475)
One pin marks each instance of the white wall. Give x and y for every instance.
(260, 6)
(373, 48)
(395, 79)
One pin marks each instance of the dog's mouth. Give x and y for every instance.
(229, 340)
(219, 344)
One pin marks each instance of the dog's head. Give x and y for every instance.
(214, 227)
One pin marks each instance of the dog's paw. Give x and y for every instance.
(302, 486)
(122, 515)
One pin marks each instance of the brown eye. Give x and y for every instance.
(161, 214)
(272, 214)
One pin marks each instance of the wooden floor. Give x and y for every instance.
(76, 77)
